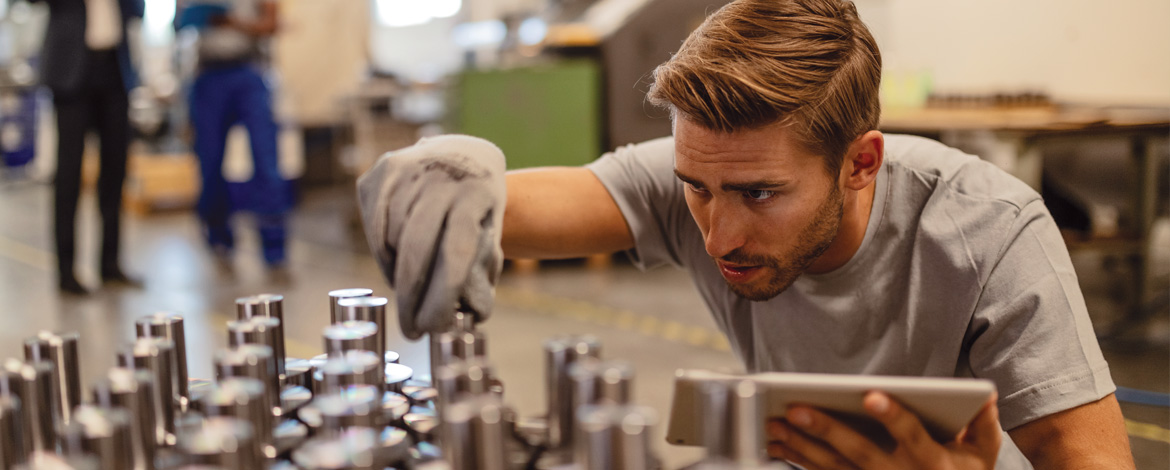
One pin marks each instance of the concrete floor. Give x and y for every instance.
(654, 320)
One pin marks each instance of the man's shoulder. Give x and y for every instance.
(951, 173)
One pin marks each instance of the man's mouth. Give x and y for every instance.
(737, 273)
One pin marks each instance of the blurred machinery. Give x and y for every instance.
(564, 97)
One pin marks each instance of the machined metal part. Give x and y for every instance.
(297, 372)
(103, 433)
(596, 382)
(560, 353)
(227, 442)
(60, 349)
(614, 437)
(335, 313)
(132, 390)
(474, 435)
(11, 424)
(354, 449)
(44, 460)
(349, 368)
(397, 375)
(244, 399)
(265, 305)
(289, 434)
(422, 424)
(732, 425)
(169, 326)
(154, 355)
(455, 381)
(443, 347)
(32, 383)
(349, 336)
(256, 362)
(394, 407)
(470, 345)
(420, 395)
(366, 308)
(197, 388)
(357, 407)
(258, 330)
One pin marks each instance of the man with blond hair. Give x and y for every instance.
(818, 243)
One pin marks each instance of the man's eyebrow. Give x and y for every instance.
(763, 185)
(688, 180)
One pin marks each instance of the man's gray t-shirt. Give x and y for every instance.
(962, 272)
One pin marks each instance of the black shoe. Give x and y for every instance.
(118, 277)
(69, 285)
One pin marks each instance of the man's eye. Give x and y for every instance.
(759, 194)
(695, 189)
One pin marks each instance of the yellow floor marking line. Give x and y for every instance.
(587, 312)
(26, 254)
(1147, 431)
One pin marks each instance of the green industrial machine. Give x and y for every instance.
(539, 115)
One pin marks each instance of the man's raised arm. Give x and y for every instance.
(561, 212)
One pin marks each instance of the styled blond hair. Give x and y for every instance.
(811, 63)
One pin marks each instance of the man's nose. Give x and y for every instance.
(726, 233)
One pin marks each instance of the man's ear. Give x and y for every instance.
(863, 159)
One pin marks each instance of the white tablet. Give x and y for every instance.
(945, 405)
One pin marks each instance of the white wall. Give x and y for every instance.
(1114, 52)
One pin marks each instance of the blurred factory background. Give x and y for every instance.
(1072, 96)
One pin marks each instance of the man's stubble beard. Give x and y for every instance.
(812, 243)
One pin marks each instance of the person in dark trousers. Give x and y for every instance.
(85, 62)
(230, 89)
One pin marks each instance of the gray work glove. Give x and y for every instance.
(433, 214)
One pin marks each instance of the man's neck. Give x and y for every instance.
(854, 222)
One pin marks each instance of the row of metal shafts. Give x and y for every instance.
(354, 407)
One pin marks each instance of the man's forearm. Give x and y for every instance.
(561, 213)
(1090, 436)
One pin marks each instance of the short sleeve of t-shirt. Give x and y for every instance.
(640, 178)
(1031, 332)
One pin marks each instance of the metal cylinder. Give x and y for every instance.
(32, 383)
(154, 355)
(349, 336)
(169, 326)
(442, 351)
(265, 305)
(371, 309)
(732, 425)
(357, 407)
(227, 442)
(103, 433)
(132, 390)
(473, 435)
(394, 407)
(258, 330)
(355, 449)
(251, 361)
(60, 349)
(350, 368)
(614, 437)
(289, 434)
(335, 296)
(244, 399)
(470, 345)
(11, 424)
(560, 353)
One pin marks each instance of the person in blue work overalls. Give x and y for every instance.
(230, 89)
